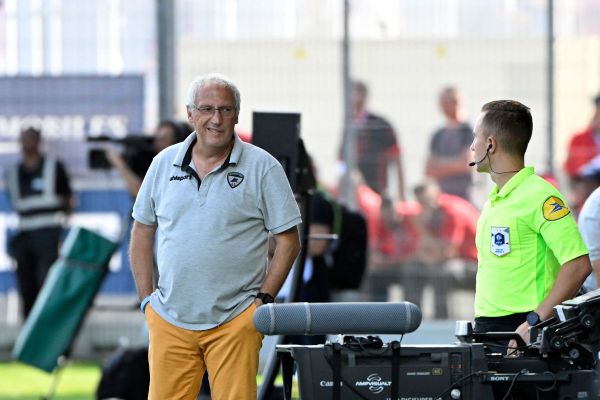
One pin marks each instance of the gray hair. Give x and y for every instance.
(212, 79)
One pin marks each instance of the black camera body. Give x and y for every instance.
(138, 152)
(560, 362)
(97, 159)
(430, 372)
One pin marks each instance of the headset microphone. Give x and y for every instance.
(474, 163)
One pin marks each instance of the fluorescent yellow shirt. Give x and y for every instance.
(524, 234)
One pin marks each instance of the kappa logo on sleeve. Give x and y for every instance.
(554, 208)
(180, 178)
(234, 179)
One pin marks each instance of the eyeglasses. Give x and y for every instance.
(208, 111)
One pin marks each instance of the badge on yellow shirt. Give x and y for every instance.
(554, 208)
(500, 243)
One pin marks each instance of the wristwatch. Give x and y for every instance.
(266, 298)
(533, 318)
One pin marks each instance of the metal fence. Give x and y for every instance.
(81, 69)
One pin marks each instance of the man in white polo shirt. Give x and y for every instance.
(213, 201)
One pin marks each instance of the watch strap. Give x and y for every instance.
(266, 298)
(533, 318)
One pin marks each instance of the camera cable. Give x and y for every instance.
(512, 384)
(513, 349)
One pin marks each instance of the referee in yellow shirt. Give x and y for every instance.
(530, 253)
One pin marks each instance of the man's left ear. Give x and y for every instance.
(492, 144)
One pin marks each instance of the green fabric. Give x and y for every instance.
(69, 290)
(519, 276)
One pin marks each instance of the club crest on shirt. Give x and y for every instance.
(500, 243)
(234, 179)
(554, 208)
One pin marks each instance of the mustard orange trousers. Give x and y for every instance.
(179, 357)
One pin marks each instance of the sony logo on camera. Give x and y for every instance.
(500, 378)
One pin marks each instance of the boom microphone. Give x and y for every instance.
(474, 163)
(337, 318)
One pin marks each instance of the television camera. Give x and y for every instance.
(559, 362)
(137, 151)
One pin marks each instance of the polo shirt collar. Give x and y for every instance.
(183, 158)
(512, 183)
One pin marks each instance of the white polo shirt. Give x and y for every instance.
(212, 235)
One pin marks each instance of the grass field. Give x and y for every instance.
(20, 382)
(77, 381)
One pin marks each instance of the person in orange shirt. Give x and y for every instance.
(583, 159)
(446, 228)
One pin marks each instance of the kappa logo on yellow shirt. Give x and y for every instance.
(554, 208)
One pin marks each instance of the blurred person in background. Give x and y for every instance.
(245, 136)
(376, 144)
(40, 193)
(315, 284)
(583, 159)
(530, 253)
(167, 133)
(589, 226)
(212, 200)
(446, 254)
(393, 245)
(449, 153)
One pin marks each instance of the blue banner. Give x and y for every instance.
(69, 110)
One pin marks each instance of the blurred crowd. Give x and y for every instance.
(430, 241)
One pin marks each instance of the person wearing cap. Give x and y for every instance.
(583, 159)
(211, 201)
(531, 256)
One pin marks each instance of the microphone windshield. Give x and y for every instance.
(337, 318)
